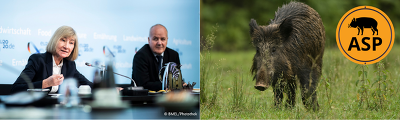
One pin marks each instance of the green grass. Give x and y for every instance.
(229, 81)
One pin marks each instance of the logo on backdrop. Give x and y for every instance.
(85, 48)
(116, 49)
(32, 49)
(107, 51)
(365, 35)
(7, 44)
(119, 49)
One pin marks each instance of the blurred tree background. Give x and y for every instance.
(233, 16)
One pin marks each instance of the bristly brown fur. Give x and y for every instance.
(288, 46)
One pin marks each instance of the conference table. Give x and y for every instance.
(140, 107)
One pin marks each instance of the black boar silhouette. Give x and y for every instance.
(364, 22)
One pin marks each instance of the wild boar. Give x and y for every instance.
(289, 50)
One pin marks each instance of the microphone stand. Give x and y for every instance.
(129, 91)
(103, 69)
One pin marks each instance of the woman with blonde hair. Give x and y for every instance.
(48, 70)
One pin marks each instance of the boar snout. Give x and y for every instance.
(261, 79)
(260, 87)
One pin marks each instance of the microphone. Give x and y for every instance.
(102, 66)
(90, 65)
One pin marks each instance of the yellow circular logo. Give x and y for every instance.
(365, 35)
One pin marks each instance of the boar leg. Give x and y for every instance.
(309, 97)
(278, 95)
(309, 93)
(291, 92)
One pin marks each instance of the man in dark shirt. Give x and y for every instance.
(151, 57)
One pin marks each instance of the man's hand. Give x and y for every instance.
(53, 80)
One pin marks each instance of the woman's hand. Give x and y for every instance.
(53, 80)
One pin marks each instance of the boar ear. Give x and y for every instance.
(253, 26)
(286, 28)
(354, 19)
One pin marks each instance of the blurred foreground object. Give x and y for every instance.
(178, 101)
(84, 90)
(31, 97)
(69, 91)
(104, 93)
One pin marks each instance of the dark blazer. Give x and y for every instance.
(40, 67)
(144, 69)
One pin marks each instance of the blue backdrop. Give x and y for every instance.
(122, 27)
